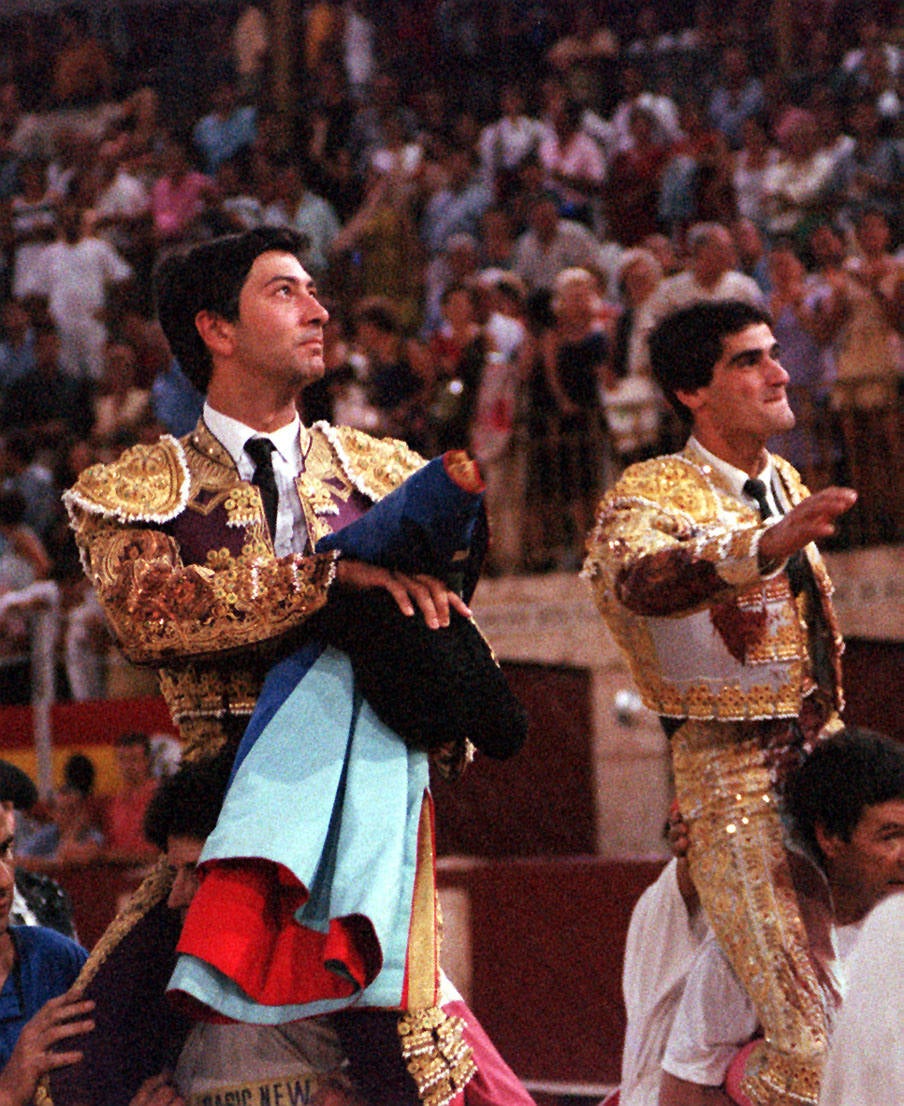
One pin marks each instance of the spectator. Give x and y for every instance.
(581, 56)
(328, 150)
(297, 207)
(497, 239)
(493, 444)
(573, 164)
(697, 184)
(120, 405)
(457, 264)
(17, 346)
(175, 401)
(872, 37)
(358, 53)
(250, 44)
(76, 274)
(400, 155)
(711, 275)
(796, 326)
(869, 361)
(73, 836)
(633, 185)
(366, 133)
(121, 203)
(458, 353)
(752, 160)
(793, 189)
(228, 128)
(33, 223)
(82, 70)
(24, 564)
(662, 110)
(750, 250)
(178, 196)
(396, 388)
(738, 97)
(457, 205)
(507, 141)
(235, 206)
(381, 245)
(871, 173)
(640, 273)
(126, 809)
(23, 471)
(551, 244)
(576, 360)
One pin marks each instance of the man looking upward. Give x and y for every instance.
(201, 550)
(703, 565)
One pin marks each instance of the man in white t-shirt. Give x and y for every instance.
(75, 274)
(846, 809)
(666, 931)
(866, 1063)
(711, 275)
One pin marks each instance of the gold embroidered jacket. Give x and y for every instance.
(673, 564)
(178, 550)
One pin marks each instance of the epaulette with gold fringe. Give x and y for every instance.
(148, 483)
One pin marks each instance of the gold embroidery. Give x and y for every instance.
(243, 505)
(773, 1078)
(739, 865)
(646, 515)
(147, 483)
(437, 1055)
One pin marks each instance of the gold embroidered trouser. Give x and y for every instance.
(741, 871)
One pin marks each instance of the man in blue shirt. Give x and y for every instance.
(37, 965)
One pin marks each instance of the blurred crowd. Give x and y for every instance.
(500, 201)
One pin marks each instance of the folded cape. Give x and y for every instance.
(317, 888)
(431, 686)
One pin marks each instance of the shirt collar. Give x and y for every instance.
(735, 478)
(232, 435)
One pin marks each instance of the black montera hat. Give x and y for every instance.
(431, 686)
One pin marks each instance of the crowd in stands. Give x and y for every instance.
(500, 200)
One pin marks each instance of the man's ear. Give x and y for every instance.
(829, 843)
(216, 332)
(691, 400)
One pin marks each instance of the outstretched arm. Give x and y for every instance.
(810, 520)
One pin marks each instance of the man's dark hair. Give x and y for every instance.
(379, 312)
(12, 508)
(209, 277)
(847, 772)
(187, 804)
(686, 345)
(134, 737)
(21, 445)
(79, 773)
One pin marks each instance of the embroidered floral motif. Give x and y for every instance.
(243, 506)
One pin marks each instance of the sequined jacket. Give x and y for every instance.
(178, 550)
(672, 561)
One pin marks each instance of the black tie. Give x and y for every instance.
(756, 489)
(798, 567)
(801, 579)
(260, 450)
